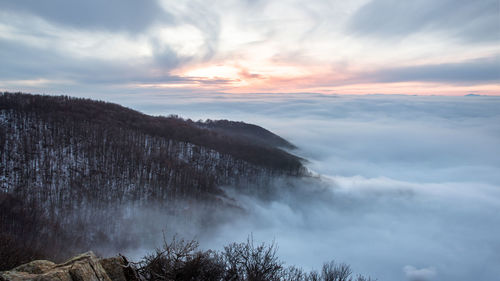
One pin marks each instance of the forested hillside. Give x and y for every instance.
(63, 161)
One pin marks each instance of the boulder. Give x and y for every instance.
(84, 267)
(36, 267)
(118, 269)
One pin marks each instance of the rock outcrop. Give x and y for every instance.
(84, 267)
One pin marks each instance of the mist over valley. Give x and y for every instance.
(382, 183)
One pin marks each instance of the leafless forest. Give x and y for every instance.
(78, 174)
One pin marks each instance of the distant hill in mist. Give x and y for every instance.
(246, 132)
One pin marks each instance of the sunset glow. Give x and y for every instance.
(342, 47)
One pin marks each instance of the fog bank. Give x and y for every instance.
(409, 186)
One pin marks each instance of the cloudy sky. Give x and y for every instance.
(445, 47)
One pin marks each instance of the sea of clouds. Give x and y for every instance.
(408, 187)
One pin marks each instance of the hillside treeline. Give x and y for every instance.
(88, 169)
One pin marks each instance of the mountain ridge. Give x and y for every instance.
(242, 143)
(85, 174)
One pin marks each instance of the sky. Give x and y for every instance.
(411, 183)
(408, 187)
(119, 47)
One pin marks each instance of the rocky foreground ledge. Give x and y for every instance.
(84, 267)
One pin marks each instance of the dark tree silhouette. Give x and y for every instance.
(181, 260)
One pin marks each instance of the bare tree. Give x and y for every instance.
(180, 260)
(336, 272)
(247, 261)
(293, 273)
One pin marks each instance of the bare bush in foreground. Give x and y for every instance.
(181, 260)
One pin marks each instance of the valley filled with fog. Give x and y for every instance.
(405, 187)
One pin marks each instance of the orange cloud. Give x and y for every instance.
(275, 77)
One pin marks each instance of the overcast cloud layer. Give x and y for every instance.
(409, 185)
(349, 47)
